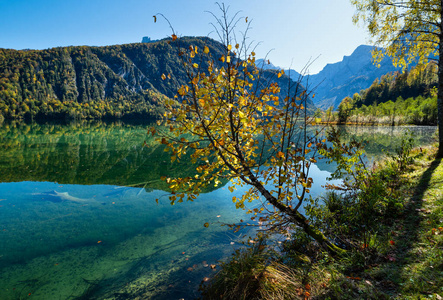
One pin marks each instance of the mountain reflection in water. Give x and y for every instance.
(78, 216)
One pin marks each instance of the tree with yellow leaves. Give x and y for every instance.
(409, 30)
(237, 125)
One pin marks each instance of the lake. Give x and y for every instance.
(79, 218)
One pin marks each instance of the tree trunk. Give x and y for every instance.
(440, 88)
(299, 220)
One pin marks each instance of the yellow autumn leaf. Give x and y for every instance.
(206, 50)
(229, 47)
(174, 37)
(228, 59)
(163, 76)
(182, 91)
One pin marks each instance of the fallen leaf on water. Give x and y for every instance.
(99, 242)
(213, 267)
(190, 269)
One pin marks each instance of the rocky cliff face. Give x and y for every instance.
(352, 74)
(341, 79)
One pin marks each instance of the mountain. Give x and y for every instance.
(81, 82)
(351, 75)
(265, 64)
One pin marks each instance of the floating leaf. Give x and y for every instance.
(163, 76)
(206, 224)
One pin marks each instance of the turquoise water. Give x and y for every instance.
(79, 220)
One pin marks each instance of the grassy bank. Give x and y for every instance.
(370, 120)
(398, 256)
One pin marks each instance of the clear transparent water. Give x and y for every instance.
(78, 217)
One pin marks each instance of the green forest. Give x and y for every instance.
(394, 99)
(122, 81)
(114, 82)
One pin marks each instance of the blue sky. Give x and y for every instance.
(296, 30)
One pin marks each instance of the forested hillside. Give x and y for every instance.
(403, 98)
(121, 81)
